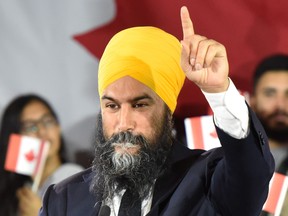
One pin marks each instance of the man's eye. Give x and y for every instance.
(269, 93)
(139, 105)
(112, 106)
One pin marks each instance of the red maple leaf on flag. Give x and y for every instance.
(213, 134)
(30, 156)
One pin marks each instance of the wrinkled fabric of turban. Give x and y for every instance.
(147, 54)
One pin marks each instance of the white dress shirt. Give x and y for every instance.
(230, 111)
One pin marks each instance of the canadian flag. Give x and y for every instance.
(26, 155)
(277, 193)
(201, 133)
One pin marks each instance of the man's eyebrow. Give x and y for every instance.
(269, 89)
(142, 97)
(104, 97)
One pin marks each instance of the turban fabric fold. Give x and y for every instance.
(147, 54)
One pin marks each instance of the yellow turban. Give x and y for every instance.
(147, 54)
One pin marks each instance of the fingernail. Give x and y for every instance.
(192, 61)
(198, 66)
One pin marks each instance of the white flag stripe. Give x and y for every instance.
(189, 134)
(29, 147)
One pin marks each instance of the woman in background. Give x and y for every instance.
(33, 116)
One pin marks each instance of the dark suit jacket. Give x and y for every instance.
(230, 181)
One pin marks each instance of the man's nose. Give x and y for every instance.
(282, 102)
(126, 122)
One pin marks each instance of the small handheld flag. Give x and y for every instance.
(277, 193)
(201, 133)
(26, 155)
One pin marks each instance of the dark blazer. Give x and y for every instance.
(229, 181)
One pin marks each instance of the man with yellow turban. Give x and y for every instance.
(139, 167)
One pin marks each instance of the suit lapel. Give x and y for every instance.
(179, 162)
(82, 199)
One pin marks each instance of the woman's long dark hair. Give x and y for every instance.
(10, 123)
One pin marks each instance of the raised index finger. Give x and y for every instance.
(187, 25)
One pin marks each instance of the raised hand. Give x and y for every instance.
(203, 60)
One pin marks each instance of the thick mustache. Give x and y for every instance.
(277, 113)
(127, 138)
(125, 144)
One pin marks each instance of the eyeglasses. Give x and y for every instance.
(32, 127)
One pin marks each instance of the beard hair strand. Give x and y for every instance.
(114, 171)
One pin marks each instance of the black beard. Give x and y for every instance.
(278, 133)
(115, 172)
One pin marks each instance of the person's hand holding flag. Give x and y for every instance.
(29, 202)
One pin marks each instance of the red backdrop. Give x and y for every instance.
(250, 30)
